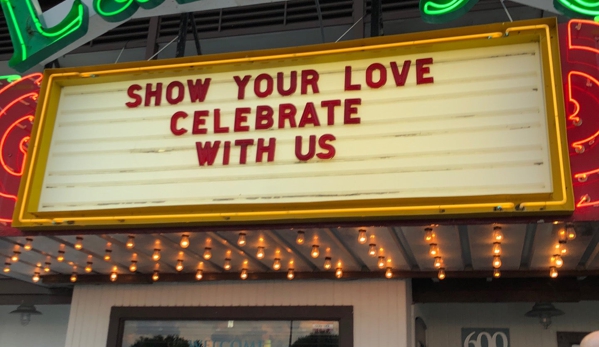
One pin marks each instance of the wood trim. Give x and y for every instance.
(343, 314)
(505, 290)
(567, 339)
(462, 277)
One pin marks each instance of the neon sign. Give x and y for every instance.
(18, 100)
(578, 8)
(36, 43)
(581, 88)
(444, 10)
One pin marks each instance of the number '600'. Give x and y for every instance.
(492, 340)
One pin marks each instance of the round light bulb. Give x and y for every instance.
(130, 241)
(372, 250)
(433, 249)
(557, 259)
(339, 272)
(496, 273)
(429, 235)
(315, 252)
(362, 238)
(327, 263)
(496, 261)
(244, 274)
(441, 274)
(199, 274)
(389, 273)
(571, 232)
(241, 241)
(74, 277)
(155, 276)
(36, 277)
(179, 266)
(381, 263)
(88, 268)
(15, 257)
(47, 267)
(184, 241)
(290, 274)
(207, 253)
(562, 235)
(156, 254)
(438, 262)
(79, 243)
(6, 269)
(133, 266)
(553, 272)
(276, 265)
(227, 264)
(28, 244)
(497, 234)
(260, 253)
(113, 275)
(301, 237)
(107, 255)
(496, 248)
(60, 256)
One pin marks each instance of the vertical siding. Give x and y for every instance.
(445, 321)
(381, 307)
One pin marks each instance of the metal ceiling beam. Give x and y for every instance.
(305, 259)
(528, 247)
(188, 251)
(226, 243)
(151, 44)
(359, 12)
(376, 18)
(345, 247)
(134, 250)
(404, 247)
(590, 253)
(465, 247)
(273, 234)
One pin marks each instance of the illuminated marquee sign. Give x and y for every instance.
(468, 122)
(33, 41)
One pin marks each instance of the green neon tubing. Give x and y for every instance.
(442, 11)
(10, 78)
(120, 10)
(34, 43)
(578, 8)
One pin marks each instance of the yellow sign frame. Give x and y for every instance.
(543, 31)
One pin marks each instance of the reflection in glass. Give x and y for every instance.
(231, 334)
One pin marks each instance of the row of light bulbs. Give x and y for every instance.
(430, 236)
(434, 251)
(242, 241)
(563, 236)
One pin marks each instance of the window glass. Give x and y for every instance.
(229, 333)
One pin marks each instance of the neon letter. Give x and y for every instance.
(441, 11)
(32, 40)
(578, 8)
(120, 10)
